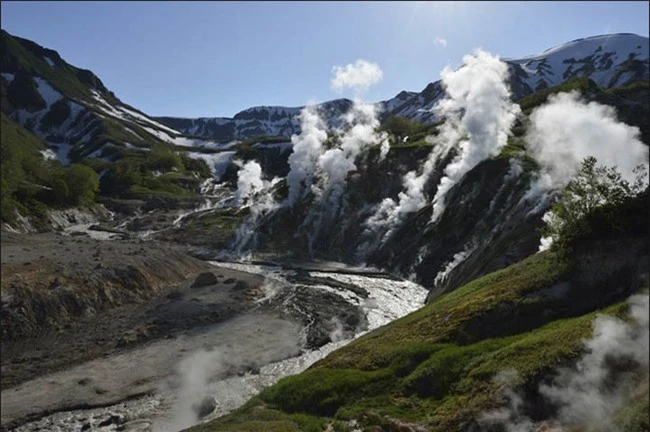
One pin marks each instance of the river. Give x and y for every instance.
(231, 361)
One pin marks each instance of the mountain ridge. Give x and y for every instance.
(524, 81)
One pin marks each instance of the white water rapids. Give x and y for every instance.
(388, 300)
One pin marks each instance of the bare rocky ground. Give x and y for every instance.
(70, 299)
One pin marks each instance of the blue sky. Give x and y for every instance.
(193, 59)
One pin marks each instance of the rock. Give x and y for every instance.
(241, 285)
(204, 279)
(229, 281)
(85, 427)
(175, 295)
(205, 407)
(55, 283)
(113, 419)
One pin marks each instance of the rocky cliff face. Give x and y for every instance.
(490, 221)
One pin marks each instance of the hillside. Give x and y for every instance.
(438, 369)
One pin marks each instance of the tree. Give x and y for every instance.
(82, 183)
(597, 192)
(400, 127)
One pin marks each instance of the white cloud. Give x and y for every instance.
(440, 41)
(358, 76)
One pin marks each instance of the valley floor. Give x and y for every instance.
(53, 333)
(95, 321)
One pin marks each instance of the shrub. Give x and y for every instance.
(597, 194)
(400, 127)
(82, 184)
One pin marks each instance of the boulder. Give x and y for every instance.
(205, 406)
(205, 279)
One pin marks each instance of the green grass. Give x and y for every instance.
(254, 417)
(216, 229)
(31, 185)
(442, 321)
(427, 367)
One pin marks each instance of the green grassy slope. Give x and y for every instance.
(435, 367)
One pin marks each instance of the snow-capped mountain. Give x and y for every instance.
(72, 110)
(609, 60)
(253, 122)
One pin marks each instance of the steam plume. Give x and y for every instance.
(478, 116)
(593, 391)
(357, 136)
(254, 191)
(566, 129)
(249, 182)
(307, 147)
(478, 111)
(196, 374)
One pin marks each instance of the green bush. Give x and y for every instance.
(597, 197)
(23, 93)
(82, 184)
(400, 127)
(57, 114)
(164, 160)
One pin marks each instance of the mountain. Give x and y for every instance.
(609, 60)
(71, 109)
(494, 302)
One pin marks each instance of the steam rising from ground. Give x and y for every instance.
(196, 372)
(478, 116)
(358, 134)
(256, 193)
(307, 147)
(478, 112)
(323, 158)
(566, 129)
(600, 384)
(249, 182)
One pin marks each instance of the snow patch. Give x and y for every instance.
(132, 132)
(8, 76)
(62, 151)
(283, 146)
(217, 162)
(133, 147)
(46, 91)
(49, 154)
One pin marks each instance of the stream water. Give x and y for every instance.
(208, 363)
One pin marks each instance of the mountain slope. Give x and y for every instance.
(70, 108)
(80, 121)
(609, 60)
(435, 369)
